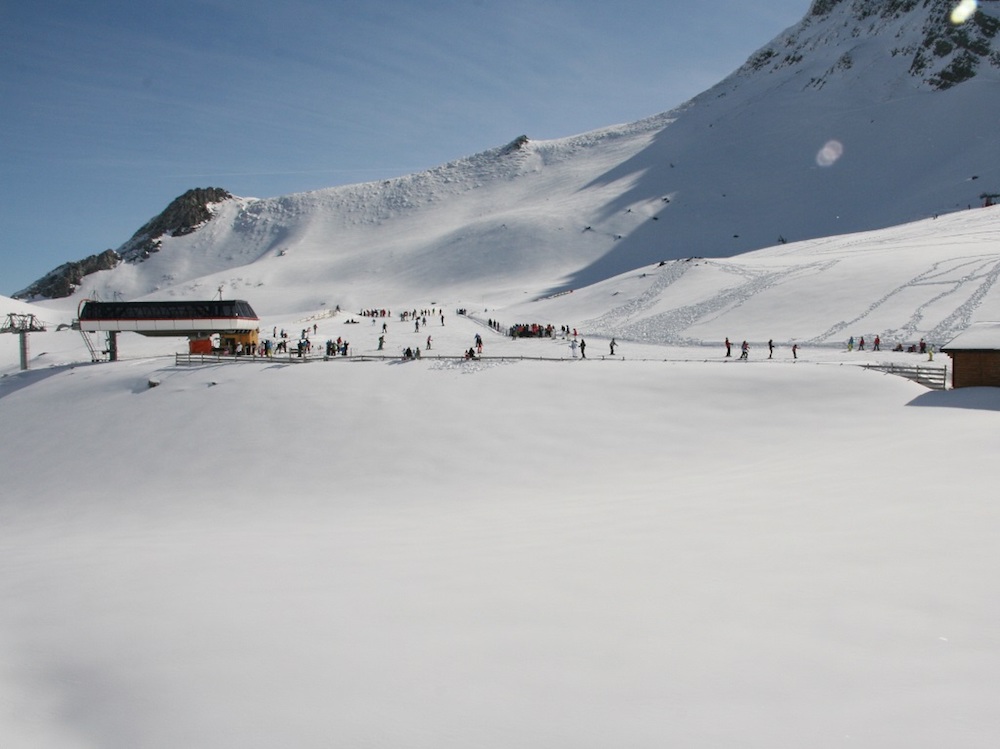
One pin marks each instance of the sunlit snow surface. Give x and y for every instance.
(664, 548)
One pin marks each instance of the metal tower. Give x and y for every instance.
(22, 325)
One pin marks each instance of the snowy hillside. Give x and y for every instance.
(657, 546)
(927, 279)
(661, 548)
(839, 125)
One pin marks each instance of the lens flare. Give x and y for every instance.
(830, 153)
(963, 12)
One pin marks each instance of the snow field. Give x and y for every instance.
(535, 553)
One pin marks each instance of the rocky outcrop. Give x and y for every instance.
(939, 47)
(183, 216)
(952, 53)
(65, 279)
(515, 145)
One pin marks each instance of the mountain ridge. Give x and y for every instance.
(792, 145)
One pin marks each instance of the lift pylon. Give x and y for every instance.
(22, 324)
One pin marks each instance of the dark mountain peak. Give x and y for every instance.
(64, 280)
(515, 145)
(923, 44)
(184, 215)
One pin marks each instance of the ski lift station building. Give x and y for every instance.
(232, 320)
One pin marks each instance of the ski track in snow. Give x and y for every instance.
(668, 327)
(985, 269)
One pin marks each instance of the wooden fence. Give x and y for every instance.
(935, 378)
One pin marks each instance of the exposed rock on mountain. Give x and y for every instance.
(64, 280)
(867, 114)
(939, 48)
(184, 215)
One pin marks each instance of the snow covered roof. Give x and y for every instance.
(983, 336)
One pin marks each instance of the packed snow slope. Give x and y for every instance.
(664, 547)
(864, 115)
(678, 551)
(928, 279)
(661, 548)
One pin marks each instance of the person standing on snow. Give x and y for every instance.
(745, 348)
(770, 348)
(729, 347)
(583, 349)
(613, 344)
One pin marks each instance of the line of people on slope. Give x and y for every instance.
(745, 349)
(876, 344)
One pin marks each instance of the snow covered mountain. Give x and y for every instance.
(656, 547)
(864, 115)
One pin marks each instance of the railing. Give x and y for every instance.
(181, 360)
(935, 378)
(292, 358)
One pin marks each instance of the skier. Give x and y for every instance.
(770, 348)
(583, 349)
(877, 343)
(795, 351)
(729, 347)
(745, 348)
(572, 347)
(428, 343)
(613, 344)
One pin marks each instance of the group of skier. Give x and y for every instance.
(745, 349)
(876, 344)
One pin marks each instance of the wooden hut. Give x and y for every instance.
(975, 356)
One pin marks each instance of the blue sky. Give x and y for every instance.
(112, 109)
